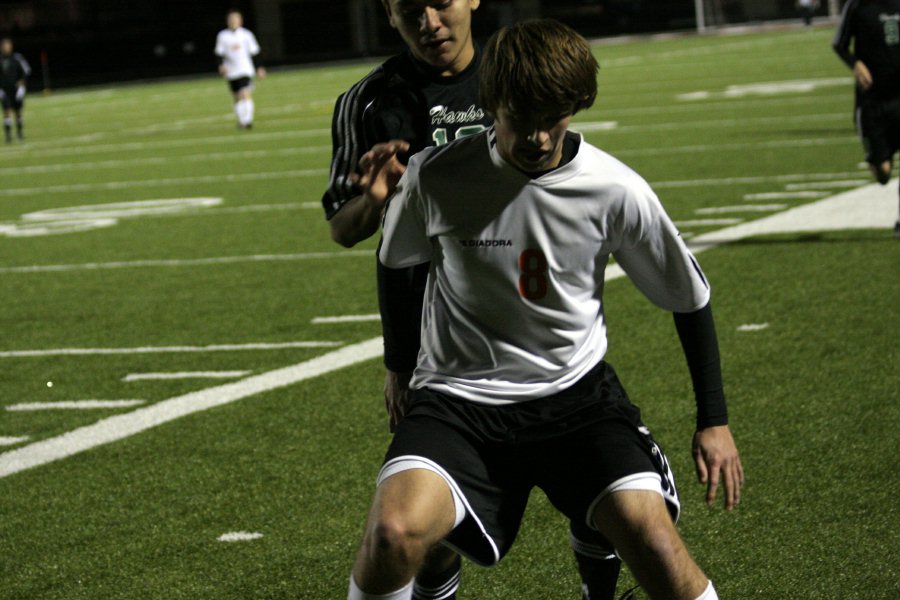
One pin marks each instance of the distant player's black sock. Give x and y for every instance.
(19, 128)
(438, 586)
(598, 576)
(7, 129)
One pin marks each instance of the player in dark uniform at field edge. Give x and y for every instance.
(427, 96)
(14, 72)
(873, 26)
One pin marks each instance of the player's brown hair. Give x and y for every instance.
(538, 66)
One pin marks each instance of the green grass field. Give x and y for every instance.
(814, 397)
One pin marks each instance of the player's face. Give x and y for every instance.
(438, 32)
(6, 47)
(235, 20)
(530, 143)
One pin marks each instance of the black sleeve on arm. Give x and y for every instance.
(697, 332)
(843, 35)
(401, 293)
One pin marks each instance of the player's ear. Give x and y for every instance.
(390, 13)
(474, 4)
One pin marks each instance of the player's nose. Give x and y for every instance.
(430, 20)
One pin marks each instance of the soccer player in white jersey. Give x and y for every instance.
(511, 389)
(237, 46)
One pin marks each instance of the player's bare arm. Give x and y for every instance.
(379, 172)
(862, 74)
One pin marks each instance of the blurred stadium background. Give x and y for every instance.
(96, 41)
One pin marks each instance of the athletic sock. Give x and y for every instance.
(438, 586)
(237, 111)
(598, 567)
(19, 126)
(404, 593)
(7, 128)
(249, 113)
(709, 593)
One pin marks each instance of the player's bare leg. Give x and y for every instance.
(640, 527)
(412, 511)
(7, 124)
(243, 108)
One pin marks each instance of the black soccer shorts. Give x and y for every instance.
(240, 83)
(879, 127)
(9, 101)
(577, 446)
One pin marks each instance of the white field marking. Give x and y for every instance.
(589, 126)
(73, 405)
(697, 125)
(753, 327)
(122, 210)
(769, 88)
(687, 183)
(713, 210)
(703, 222)
(698, 148)
(187, 262)
(125, 425)
(816, 185)
(164, 349)
(78, 143)
(345, 319)
(124, 185)
(12, 441)
(784, 195)
(869, 207)
(159, 160)
(185, 375)
(18, 230)
(239, 536)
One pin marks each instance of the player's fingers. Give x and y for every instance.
(730, 483)
(713, 486)
(700, 466)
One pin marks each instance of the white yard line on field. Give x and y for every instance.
(753, 327)
(187, 262)
(124, 185)
(185, 375)
(73, 405)
(689, 183)
(824, 185)
(12, 441)
(165, 349)
(126, 425)
(713, 210)
(160, 160)
(784, 195)
(345, 319)
(705, 222)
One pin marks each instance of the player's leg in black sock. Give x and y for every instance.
(7, 128)
(597, 565)
(20, 125)
(439, 578)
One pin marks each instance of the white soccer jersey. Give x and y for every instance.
(513, 307)
(237, 47)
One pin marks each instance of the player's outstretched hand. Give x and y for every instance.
(261, 72)
(380, 170)
(717, 460)
(396, 396)
(223, 70)
(862, 74)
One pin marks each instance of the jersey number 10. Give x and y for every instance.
(440, 135)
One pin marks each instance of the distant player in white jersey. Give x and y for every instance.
(236, 47)
(511, 389)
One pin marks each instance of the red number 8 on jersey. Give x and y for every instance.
(533, 274)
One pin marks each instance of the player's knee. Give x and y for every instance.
(395, 536)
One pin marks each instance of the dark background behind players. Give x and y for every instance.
(97, 41)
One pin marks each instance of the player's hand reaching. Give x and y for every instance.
(396, 396)
(717, 460)
(862, 74)
(261, 72)
(380, 171)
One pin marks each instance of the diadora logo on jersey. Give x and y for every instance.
(485, 243)
(441, 115)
